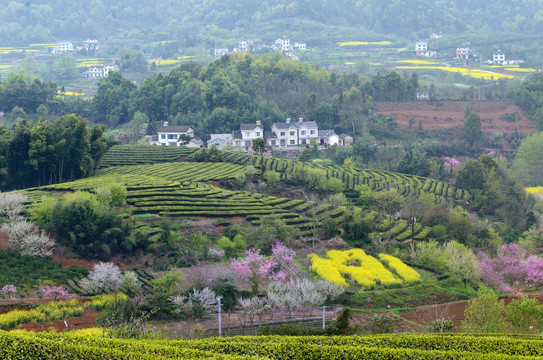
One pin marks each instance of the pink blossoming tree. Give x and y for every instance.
(256, 269)
(9, 290)
(512, 268)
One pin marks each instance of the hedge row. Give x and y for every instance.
(397, 346)
(132, 155)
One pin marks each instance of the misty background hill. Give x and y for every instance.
(216, 23)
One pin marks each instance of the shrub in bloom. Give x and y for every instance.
(255, 268)
(9, 290)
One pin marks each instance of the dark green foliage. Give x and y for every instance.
(49, 152)
(411, 164)
(93, 231)
(343, 322)
(111, 102)
(382, 323)
(472, 127)
(356, 229)
(31, 272)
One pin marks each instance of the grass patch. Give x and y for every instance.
(27, 272)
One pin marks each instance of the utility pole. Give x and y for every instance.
(220, 325)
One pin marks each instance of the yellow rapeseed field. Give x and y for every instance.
(535, 190)
(418, 62)
(357, 43)
(475, 73)
(167, 62)
(69, 93)
(515, 69)
(363, 269)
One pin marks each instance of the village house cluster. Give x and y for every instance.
(464, 52)
(282, 44)
(286, 135)
(67, 47)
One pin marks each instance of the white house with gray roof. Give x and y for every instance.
(249, 132)
(293, 134)
(169, 135)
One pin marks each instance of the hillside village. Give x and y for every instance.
(287, 135)
(178, 180)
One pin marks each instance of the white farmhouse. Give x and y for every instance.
(284, 43)
(462, 52)
(293, 134)
(170, 135)
(220, 52)
(328, 138)
(249, 132)
(63, 47)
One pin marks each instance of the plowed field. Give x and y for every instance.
(447, 114)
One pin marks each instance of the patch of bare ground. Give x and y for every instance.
(3, 240)
(449, 114)
(425, 315)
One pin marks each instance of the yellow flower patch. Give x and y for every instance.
(357, 43)
(363, 269)
(475, 73)
(418, 62)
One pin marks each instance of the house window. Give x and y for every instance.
(303, 132)
(247, 143)
(292, 133)
(172, 136)
(312, 132)
(282, 133)
(258, 133)
(273, 142)
(303, 142)
(282, 142)
(292, 142)
(163, 136)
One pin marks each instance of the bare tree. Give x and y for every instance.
(436, 317)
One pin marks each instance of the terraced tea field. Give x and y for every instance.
(133, 155)
(92, 345)
(175, 188)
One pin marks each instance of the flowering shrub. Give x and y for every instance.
(451, 162)
(255, 268)
(55, 292)
(107, 301)
(217, 254)
(9, 290)
(51, 311)
(511, 268)
(364, 269)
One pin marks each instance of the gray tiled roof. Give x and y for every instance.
(326, 132)
(174, 129)
(249, 126)
(296, 124)
(270, 135)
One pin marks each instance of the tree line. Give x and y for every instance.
(216, 21)
(41, 153)
(242, 88)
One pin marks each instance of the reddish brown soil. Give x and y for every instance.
(447, 114)
(451, 311)
(3, 241)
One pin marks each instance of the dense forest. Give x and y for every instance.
(243, 88)
(235, 89)
(189, 21)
